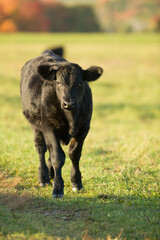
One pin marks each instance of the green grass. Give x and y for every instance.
(120, 162)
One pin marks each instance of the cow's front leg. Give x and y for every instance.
(75, 149)
(41, 149)
(50, 169)
(57, 158)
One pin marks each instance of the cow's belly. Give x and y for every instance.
(34, 118)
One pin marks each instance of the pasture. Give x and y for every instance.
(120, 163)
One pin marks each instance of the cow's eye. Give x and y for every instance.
(58, 83)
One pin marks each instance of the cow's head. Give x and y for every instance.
(69, 80)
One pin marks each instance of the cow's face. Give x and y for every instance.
(69, 86)
(69, 81)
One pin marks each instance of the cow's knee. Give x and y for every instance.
(73, 150)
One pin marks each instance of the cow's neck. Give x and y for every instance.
(73, 121)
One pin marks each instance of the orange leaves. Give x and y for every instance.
(29, 9)
(8, 26)
(22, 15)
(9, 6)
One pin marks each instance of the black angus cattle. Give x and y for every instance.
(57, 102)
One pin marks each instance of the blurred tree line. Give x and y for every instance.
(104, 15)
(129, 15)
(46, 16)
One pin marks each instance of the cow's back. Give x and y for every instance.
(31, 85)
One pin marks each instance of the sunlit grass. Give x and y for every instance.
(120, 161)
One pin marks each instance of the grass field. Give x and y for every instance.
(121, 155)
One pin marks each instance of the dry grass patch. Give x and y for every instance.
(86, 236)
(9, 195)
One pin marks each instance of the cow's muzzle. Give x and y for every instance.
(70, 105)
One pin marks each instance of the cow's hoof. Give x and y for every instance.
(58, 196)
(58, 193)
(77, 190)
(77, 187)
(42, 185)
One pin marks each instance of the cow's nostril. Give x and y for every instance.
(65, 105)
(69, 105)
(73, 104)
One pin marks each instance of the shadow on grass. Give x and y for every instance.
(22, 212)
(144, 111)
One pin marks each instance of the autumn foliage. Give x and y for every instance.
(129, 15)
(22, 15)
(105, 15)
(31, 17)
(43, 16)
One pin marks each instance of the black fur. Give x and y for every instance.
(57, 102)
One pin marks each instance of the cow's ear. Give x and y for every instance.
(92, 73)
(47, 71)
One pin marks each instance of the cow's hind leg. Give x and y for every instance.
(41, 149)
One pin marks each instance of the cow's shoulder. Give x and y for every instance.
(86, 105)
